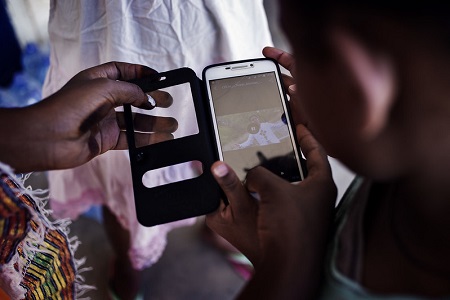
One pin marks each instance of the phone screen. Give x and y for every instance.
(252, 125)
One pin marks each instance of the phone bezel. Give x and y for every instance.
(259, 65)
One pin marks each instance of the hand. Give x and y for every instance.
(252, 226)
(79, 122)
(284, 234)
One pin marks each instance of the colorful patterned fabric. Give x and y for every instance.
(36, 261)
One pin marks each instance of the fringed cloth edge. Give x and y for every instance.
(36, 255)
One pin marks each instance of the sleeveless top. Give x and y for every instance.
(340, 281)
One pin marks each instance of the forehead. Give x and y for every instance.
(296, 17)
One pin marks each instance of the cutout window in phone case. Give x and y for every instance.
(172, 178)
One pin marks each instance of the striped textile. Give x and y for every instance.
(35, 257)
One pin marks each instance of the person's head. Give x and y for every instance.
(373, 79)
(255, 119)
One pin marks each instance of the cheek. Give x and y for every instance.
(318, 108)
(329, 105)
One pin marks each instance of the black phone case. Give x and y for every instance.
(188, 198)
(183, 199)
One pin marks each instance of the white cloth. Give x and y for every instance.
(265, 134)
(162, 34)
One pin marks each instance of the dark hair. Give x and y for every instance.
(430, 19)
(428, 13)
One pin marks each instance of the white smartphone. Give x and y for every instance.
(251, 118)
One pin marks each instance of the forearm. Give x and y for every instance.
(21, 140)
(246, 143)
(295, 276)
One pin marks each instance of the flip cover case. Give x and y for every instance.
(183, 199)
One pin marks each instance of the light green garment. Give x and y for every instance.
(336, 285)
(339, 287)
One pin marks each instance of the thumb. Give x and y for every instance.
(107, 80)
(231, 185)
(116, 71)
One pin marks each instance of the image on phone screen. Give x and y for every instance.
(252, 125)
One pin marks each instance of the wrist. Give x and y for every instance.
(283, 275)
(22, 145)
(291, 268)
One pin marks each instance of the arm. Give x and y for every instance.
(79, 122)
(247, 142)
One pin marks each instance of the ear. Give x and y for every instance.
(374, 74)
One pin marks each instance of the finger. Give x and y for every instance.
(147, 123)
(216, 219)
(145, 139)
(162, 99)
(231, 186)
(283, 58)
(287, 81)
(142, 139)
(294, 104)
(316, 158)
(292, 89)
(262, 181)
(121, 92)
(116, 71)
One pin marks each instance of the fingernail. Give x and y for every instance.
(220, 170)
(293, 88)
(151, 100)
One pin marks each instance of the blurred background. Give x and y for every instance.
(190, 267)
